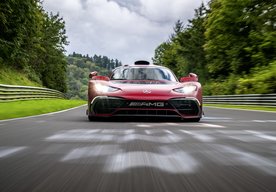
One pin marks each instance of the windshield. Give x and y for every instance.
(143, 73)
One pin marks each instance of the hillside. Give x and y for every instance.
(11, 76)
(78, 68)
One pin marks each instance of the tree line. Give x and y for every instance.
(33, 41)
(230, 44)
(101, 61)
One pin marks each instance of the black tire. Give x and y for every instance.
(194, 120)
(91, 118)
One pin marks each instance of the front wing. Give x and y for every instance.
(185, 108)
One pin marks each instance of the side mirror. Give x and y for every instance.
(190, 77)
(92, 74)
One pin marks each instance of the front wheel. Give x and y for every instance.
(194, 120)
(91, 118)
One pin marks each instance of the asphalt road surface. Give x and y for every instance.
(229, 150)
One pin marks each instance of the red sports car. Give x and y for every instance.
(144, 90)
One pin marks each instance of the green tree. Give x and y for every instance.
(19, 21)
(53, 65)
(231, 46)
(240, 36)
(190, 51)
(33, 41)
(184, 52)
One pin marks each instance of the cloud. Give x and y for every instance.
(167, 10)
(124, 29)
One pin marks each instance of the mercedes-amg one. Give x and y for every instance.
(144, 90)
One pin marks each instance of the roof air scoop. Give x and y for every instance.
(141, 62)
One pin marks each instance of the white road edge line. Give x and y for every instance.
(212, 125)
(241, 109)
(262, 135)
(45, 114)
(10, 150)
(168, 131)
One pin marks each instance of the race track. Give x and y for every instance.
(228, 150)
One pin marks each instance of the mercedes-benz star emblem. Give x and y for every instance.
(146, 91)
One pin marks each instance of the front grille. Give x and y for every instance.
(147, 104)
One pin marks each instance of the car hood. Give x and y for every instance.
(150, 88)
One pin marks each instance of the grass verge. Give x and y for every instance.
(248, 107)
(16, 109)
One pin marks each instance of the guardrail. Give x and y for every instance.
(248, 99)
(14, 92)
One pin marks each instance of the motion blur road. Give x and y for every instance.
(229, 150)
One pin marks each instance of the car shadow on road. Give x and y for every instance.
(141, 119)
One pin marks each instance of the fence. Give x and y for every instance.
(249, 99)
(13, 93)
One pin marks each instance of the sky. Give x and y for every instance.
(127, 30)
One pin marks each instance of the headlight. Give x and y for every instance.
(105, 88)
(186, 89)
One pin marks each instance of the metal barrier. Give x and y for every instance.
(14, 93)
(249, 99)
